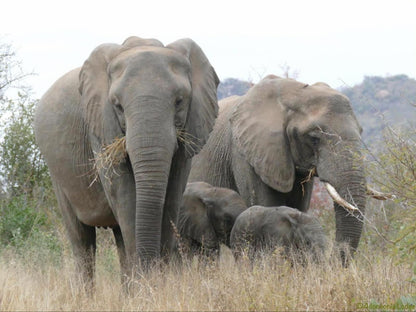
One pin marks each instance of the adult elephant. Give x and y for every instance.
(148, 93)
(268, 144)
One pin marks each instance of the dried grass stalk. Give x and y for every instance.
(191, 143)
(113, 154)
(109, 158)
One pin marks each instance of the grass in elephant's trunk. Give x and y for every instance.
(271, 283)
(110, 157)
(112, 154)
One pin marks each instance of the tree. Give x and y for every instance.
(25, 186)
(11, 72)
(394, 169)
(22, 168)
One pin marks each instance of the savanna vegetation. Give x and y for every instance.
(37, 270)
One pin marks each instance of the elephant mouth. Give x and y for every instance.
(350, 207)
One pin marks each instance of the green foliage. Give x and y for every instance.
(19, 219)
(21, 166)
(26, 198)
(394, 170)
(27, 231)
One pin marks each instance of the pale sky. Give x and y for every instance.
(338, 42)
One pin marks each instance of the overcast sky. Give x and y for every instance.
(338, 42)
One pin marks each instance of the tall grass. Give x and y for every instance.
(270, 283)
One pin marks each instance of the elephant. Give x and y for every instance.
(162, 100)
(262, 228)
(270, 143)
(207, 215)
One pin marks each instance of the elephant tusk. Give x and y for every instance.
(378, 195)
(338, 199)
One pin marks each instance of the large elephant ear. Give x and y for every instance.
(258, 129)
(203, 109)
(94, 85)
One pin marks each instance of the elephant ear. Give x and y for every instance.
(193, 221)
(203, 109)
(94, 86)
(258, 129)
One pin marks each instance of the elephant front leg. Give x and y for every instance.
(178, 177)
(83, 241)
(125, 266)
(119, 189)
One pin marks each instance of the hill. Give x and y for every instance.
(232, 86)
(381, 101)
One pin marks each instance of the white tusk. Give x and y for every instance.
(338, 199)
(378, 195)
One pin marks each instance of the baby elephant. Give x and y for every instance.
(264, 228)
(207, 215)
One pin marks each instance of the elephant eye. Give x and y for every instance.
(117, 104)
(315, 141)
(179, 101)
(314, 138)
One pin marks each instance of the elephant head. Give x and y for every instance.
(207, 215)
(154, 96)
(262, 228)
(288, 130)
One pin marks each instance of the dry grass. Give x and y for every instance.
(271, 283)
(113, 154)
(109, 158)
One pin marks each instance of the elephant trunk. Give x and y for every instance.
(344, 171)
(349, 224)
(150, 150)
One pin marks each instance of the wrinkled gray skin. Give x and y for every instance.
(262, 228)
(265, 144)
(207, 215)
(146, 92)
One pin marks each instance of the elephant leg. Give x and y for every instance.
(178, 177)
(124, 264)
(83, 241)
(119, 189)
(123, 201)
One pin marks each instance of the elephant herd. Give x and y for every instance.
(210, 216)
(260, 150)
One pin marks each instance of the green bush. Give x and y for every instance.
(394, 171)
(24, 228)
(26, 196)
(18, 220)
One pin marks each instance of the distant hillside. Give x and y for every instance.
(376, 100)
(381, 100)
(232, 86)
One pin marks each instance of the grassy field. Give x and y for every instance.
(371, 282)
